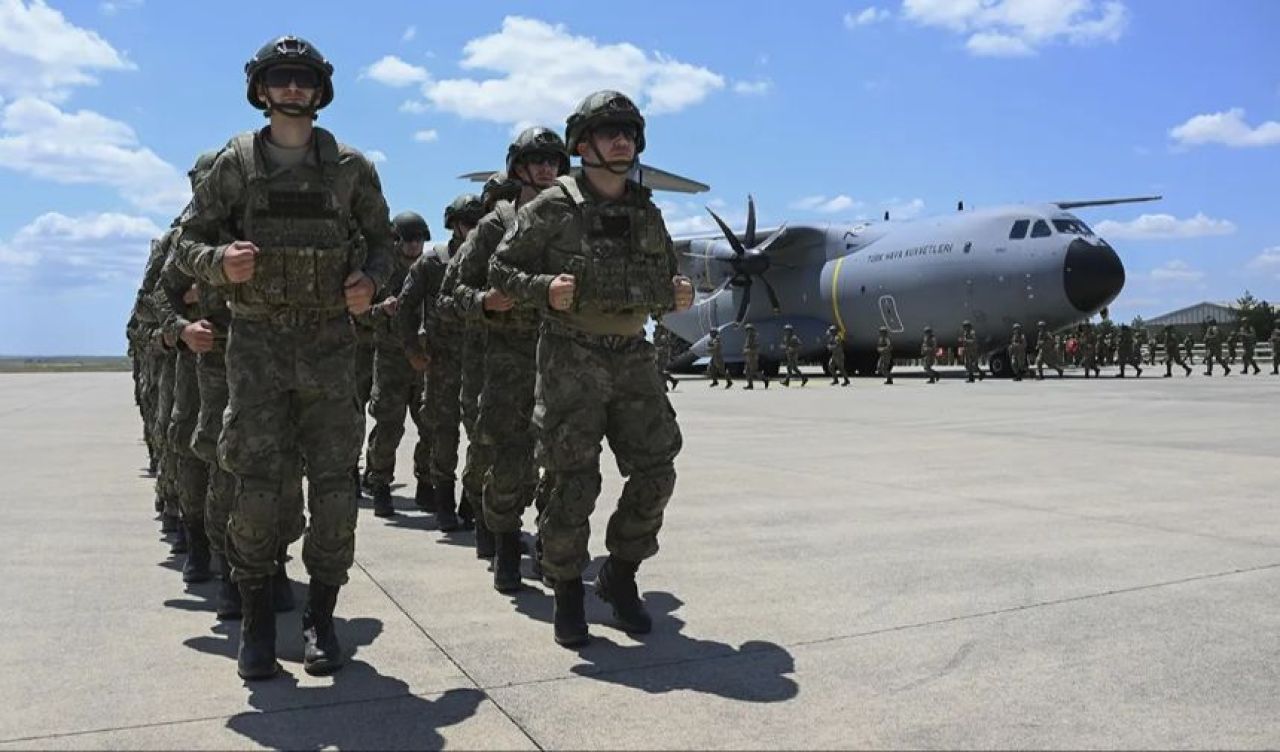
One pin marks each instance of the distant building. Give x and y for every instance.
(1193, 318)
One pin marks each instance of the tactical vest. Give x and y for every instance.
(298, 219)
(620, 261)
(522, 316)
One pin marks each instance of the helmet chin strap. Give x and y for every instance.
(617, 168)
(293, 110)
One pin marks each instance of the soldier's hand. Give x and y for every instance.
(560, 292)
(191, 296)
(496, 300)
(358, 290)
(238, 260)
(419, 362)
(198, 336)
(390, 306)
(683, 287)
(166, 338)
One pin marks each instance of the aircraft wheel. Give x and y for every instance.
(998, 364)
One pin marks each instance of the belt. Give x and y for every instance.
(612, 342)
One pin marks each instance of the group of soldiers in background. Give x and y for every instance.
(1087, 347)
(284, 302)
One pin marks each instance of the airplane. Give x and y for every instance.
(993, 267)
(646, 175)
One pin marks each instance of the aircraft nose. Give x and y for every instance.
(1092, 274)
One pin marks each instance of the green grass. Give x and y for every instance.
(63, 363)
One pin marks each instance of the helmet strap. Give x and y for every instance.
(617, 168)
(292, 110)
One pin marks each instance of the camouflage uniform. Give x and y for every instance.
(1249, 343)
(1188, 347)
(751, 359)
(662, 355)
(929, 354)
(716, 368)
(969, 341)
(1213, 350)
(1275, 348)
(1018, 353)
(791, 345)
(884, 348)
(1089, 353)
(1172, 354)
(835, 356)
(1046, 353)
(1233, 339)
(1126, 353)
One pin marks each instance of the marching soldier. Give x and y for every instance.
(1045, 354)
(929, 354)
(1249, 343)
(791, 345)
(716, 368)
(751, 358)
(1172, 354)
(835, 356)
(969, 341)
(1213, 349)
(884, 348)
(1018, 352)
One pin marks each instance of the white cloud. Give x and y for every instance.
(866, 17)
(825, 205)
(427, 136)
(1268, 261)
(112, 7)
(1227, 128)
(1165, 227)
(56, 250)
(757, 88)
(375, 156)
(1008, 28)
(413, 106)
(905, 209)
(39, 139)
(543, 71)
(42, 54)
(409, 34)
(1176, 272)
(392, 71)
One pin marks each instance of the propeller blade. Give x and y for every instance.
(777, 235)
(773, 295)
(746, 303)
(728, 234)
(750, 238)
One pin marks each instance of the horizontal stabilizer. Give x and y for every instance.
(1068, 205)
(646, 175)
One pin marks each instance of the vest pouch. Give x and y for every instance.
(268, 283)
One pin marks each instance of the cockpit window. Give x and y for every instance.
(1040, 229)
(1019, 230)
(1072, 227)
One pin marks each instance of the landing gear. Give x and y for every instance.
(999, 365)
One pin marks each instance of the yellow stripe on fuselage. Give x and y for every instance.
(835, 293)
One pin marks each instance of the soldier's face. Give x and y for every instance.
(411, 248)
(614, 144)
(539, 170)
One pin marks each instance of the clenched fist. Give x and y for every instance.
(358, 290)
(198, 336)
(238, 260)
(683, 287)
(560, 292)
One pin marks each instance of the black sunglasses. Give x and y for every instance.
(610, 131)
(281, 75)
(543, 158)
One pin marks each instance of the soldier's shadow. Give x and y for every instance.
(359, 709)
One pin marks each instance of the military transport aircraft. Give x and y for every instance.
(993, 267)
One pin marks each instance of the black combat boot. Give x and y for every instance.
(570, 613)
(321, 652)
(257, 656)
(803, 380)
(714, 382)
(535, 562)
(169, 523)
(196, 567)
(727, 383)
(506, 562)
(425, 495)
(485, 540)
(835, 381)
(766, 382)
(180, 544)
(228, 604)
(466, 512)
(616, 585)
(750, 385)
(382, 506)
(281, 592)
(787, 381)
(446, 513)
(887, 380)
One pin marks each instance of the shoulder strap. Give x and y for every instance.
(250, 167)
(569, 185)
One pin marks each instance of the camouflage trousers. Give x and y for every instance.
(291, 384)
(397, 389)
(478, 456)
(717, 370)
(167, 477)
(1047, 356)
(1213, 354)
(971, 362)
(928, 360)
(793, 366)
(441, 403)
(590, 388)
(884, 365)
(193, 472)
(1018, 360)
(211, 376)
(1248, 360)
(504, 426)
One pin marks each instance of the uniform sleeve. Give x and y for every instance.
(374, 220)
(518, 267)
(173, 284)
(207, 220)
(409, 315)
(473, 268)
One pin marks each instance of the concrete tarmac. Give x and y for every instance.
(1066, 563)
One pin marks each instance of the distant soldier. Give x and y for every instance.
(1046, 354)
(1188, 349)
(1089, 352)
(716, 368)
(1171, 353)
(1150, 344)
(662, 355)
(1125, 352)
(929, 354)
(1018, 352)
(1233, 339)
(1249, 342)
(1213, 349)
(969, 341)
(884, 348)
(791, 344)
(751, 359)
(835, 360)
(1275, 348)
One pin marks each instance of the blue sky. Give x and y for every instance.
(822, 110)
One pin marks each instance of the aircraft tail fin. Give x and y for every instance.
(1068, 205)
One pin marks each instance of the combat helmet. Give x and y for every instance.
(605, 106)
(966, 324)
(537, 140)
(884, 330)
(928, 330)
(1041, 324)
(788, 327)
(410, 226)
(499, 187)
(466, 208)
(293, 51)
(1017, 326)
(749, 326)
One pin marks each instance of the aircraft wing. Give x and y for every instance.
(646, 175)
(1068, 205)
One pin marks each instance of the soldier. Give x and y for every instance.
(1213, 349)
(593, 253)
(1188, 347)
(662, 355)
(1275, 348)
(716, 367)
(791, 345)
(294, 197)
(1171, 353)
(1045, 354)
(1089, 352)
(397, 386)
(969, 341)
(751, 358)
(1249, 343)
(440, 357)
(504, 431)
(1125, 352)
(1232, 340)
(1018, 352)
(929, 354)
(884, 348)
